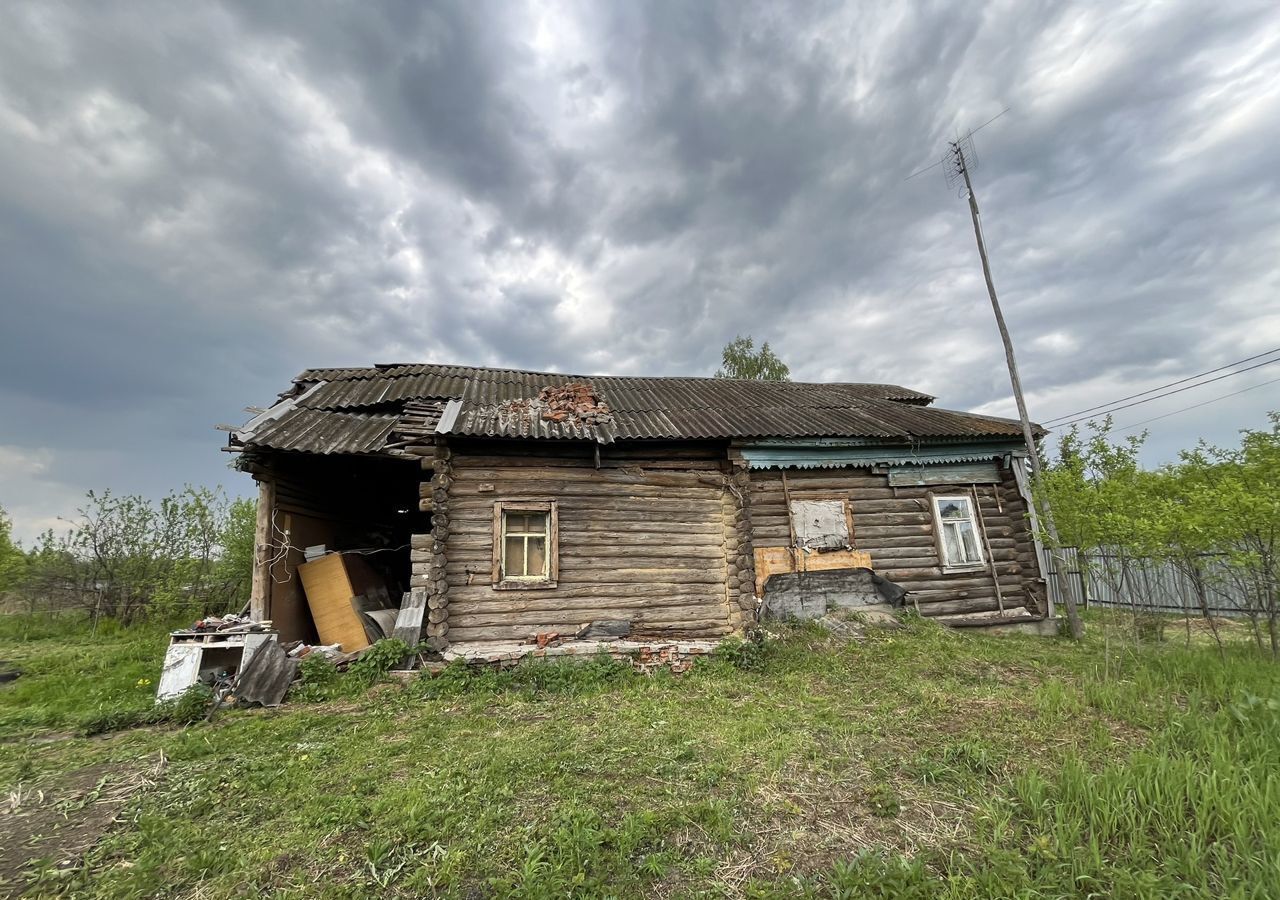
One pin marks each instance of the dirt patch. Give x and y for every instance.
(53, 824)
(802, 823)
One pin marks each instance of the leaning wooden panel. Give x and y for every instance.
(329, 583)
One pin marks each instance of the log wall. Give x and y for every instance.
(895, 525)
(648, 537)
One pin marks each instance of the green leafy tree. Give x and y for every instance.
(740, 359)
(1214, 516)
(13, 562)
(235, 567)
(126, 557)
(1229, 503)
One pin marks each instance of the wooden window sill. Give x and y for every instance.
(519, 584)
(965, 570)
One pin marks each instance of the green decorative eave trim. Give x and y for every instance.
(815, 455)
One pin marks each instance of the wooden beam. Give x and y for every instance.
(263, 547)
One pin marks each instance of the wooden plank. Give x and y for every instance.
(263, 547)
(958, 474)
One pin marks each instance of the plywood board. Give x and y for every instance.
(944, 473)
(329, 587)
(777, 560)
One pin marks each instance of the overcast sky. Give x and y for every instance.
(199, 200)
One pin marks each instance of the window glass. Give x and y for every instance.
(950, 544)
(514, 556)
(958, 532)
(970, 542)
(537, 556)
(953, 508)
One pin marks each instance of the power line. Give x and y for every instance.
(1196, 406)
(1081, 412)
(1168, 393)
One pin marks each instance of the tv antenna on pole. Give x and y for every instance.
(960, 159)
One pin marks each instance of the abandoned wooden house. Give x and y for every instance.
(526, 504)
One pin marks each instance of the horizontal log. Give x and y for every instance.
(679, 529)
(968, 605)
(921, 551)
(534, 622)
(640, 592)
(589, 474)
(583, 489)
(855, 494)
(576, 609)
(944, 584)
(906, 574)
(908, 517)
(573, 573)
(697, 553)
(607, 508)
(638, 539)
(709, 631)
(817, 480)
(470, 548)
(603, 572)
(608, 460)
(871, 534)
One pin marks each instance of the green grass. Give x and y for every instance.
(74, 680)
(921, 763)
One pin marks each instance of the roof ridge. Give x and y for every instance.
(383, 369)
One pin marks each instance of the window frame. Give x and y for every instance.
(935, 501)
(503, 582)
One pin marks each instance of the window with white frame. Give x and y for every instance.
(525, 542)
(958, 540)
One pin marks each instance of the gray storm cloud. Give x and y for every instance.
(198, 202)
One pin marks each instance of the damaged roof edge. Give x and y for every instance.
(449, 416)
(244, 434)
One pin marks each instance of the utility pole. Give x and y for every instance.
(959, 171)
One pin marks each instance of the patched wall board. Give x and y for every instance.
(950, 473)
(821, 524)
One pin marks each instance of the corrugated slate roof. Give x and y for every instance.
(353, 410)
(322, 431)
(370, 386)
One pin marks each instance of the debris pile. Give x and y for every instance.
(231, 623)
(577, 403)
